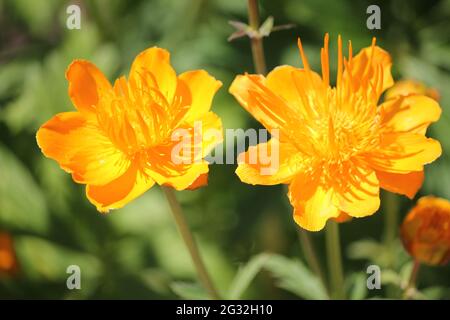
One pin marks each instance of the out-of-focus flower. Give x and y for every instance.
(337, 146)
(425, 232)
(121, 139)
(8, 261)
(409, 87)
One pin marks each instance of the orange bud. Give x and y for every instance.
(425, 232)
(8, 262)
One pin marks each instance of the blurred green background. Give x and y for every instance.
(136, 252)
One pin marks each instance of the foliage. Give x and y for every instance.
(246, 233)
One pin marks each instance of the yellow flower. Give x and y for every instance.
(408, 87)
(337, 146)
(120, 140)
(425, 232)
(8, 262)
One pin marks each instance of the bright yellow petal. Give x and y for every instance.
(259, 165)
(202, 87)
(372, 65)
(358, 194)
(267, 107)
(81, 149)
(312, 203)
(86, 84)
(152, 68)
(280, 80)
(409, 114)
(407, 184)
(404, 152)
(119, 192)
(179, 180)
(208, 133)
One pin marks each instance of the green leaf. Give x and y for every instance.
(246, 274)
(357, 286)
(293, 276)
(190, 291)
(22, 203)
(44, 261)
(266, 27)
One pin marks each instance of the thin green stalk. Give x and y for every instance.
(310, 254)
(411, 286)
(334, 260)
(391, 209)
(256, 42)
(189, 240)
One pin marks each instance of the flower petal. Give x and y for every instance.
(81, 148)
(201, 181)
(269, 163)
(267, 107)
(407, 184)
(358, 195)
(152, 68)
(403, 152)
(120, 191)
(179, 180)
(312, 203)
(203, 88)
(86, 85)
(294, 85)
(370, 67)
(409, 114)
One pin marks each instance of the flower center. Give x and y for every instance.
(137, 117)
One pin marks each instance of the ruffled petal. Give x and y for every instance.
(358, 196)
(269, 163)
(403, 152)
(179, 162)
(179, 177)
(202, 88)
(211, 133)
(152, 69)
(120, 191)
(86, 85)
(267, 107)
(81, 148)
(370, 68)
(412, 113)
(407, 184)
(312, 202)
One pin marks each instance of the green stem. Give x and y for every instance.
(256, 42)
(310, 254)
(189, 240)
(391, 207)
(410, 288)
(334, 260)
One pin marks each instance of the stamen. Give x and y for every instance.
(325, 61)
(302, 54)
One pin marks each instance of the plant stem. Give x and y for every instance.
(310, 254)
(412, 280)
(256, 42)
(391, 216)
(334, 258)
(189, 240)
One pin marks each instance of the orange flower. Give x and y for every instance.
(120, 140)
(408, 87)
(337, 147)
(8, 262)
(425, 232)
